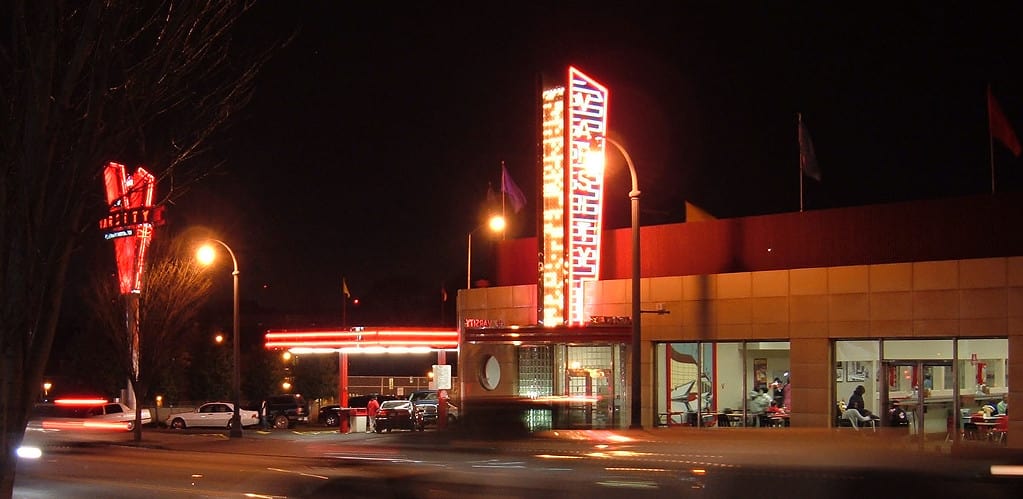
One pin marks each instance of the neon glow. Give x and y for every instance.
(587, 121)
(388, 340)
(553, 265)
(130, 221)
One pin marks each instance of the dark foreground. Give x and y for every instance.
(313, 462)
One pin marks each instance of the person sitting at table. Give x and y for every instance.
(856, 401)
(987, 409)
(1003, 405)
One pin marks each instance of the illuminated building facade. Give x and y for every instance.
(919, 302)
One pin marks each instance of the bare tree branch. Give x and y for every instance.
(83, 83)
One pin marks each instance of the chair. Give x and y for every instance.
(998, 433)
(855, 418)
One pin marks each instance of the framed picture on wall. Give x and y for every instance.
(856, 371)
(839, 372)
(759, 373)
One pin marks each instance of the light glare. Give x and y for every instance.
(206, 254)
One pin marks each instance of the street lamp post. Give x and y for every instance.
(496, 224)
(637, 406)
(206, 254)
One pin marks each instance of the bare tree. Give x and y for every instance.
(83, 83)
(175, 286)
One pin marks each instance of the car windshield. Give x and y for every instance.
(394, 404)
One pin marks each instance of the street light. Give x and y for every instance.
(206, 255)
(637, 406)
(496, 224)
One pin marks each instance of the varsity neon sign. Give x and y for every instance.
(129, 222)
(573, 123)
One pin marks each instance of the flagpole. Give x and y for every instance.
(799, 166)
(344, 305)
(504, 190)
(990, 139)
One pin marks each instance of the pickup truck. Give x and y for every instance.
(426, 403)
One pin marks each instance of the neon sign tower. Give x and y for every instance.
(130, 224)
(574, 118)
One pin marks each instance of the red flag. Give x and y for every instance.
(443, 294)
(1000, 127)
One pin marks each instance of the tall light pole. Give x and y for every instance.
(206, 255)
(637, 405)
(496, 224)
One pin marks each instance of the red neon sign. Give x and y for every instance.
(366, 338)
(80, 402)
(130, 221)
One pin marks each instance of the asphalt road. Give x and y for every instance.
(315, 462)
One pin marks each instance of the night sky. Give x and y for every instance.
(368, 148)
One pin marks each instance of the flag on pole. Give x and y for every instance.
(443, 294)
(518, 200)
(344, 288)
(1000, 127)
(807, 156)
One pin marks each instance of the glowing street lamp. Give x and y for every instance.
(597, 162)
(46, 389)
(206, 255)
(496, 224)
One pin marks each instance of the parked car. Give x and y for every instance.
(69, 414)
(329, 415)
(426, 402)
(284, 411)
(212, 415)
(398, 414)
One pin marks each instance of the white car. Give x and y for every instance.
(211, 415)
(88, 414)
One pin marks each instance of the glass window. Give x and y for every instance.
(722, 384)
(856, 363)
(982, 367)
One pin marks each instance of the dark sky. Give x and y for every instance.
(372, 138)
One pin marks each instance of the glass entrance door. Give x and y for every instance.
(918, 395)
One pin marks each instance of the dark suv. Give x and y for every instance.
(283, 411)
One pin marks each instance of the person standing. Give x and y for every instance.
(264, 417)
(787, 394)
(371, 413)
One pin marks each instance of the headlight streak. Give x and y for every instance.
(377, 459)
(299, 473)
(628, 485)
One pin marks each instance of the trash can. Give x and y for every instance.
(357, 420)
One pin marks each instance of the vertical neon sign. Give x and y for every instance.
(587, 123)
(573, 122)
(126, 193)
